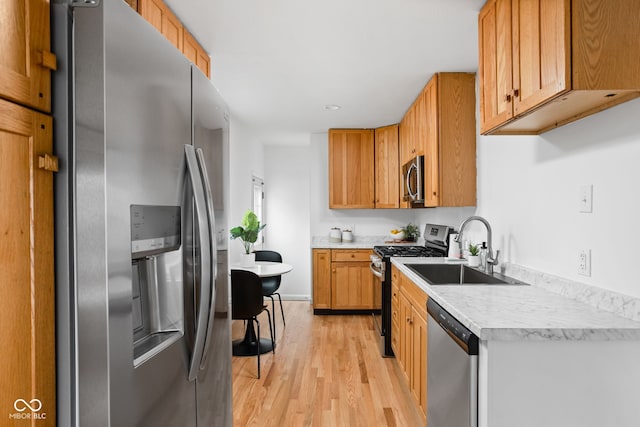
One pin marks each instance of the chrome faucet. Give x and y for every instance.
(491, 261)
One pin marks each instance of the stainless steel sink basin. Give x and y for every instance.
(459, 274)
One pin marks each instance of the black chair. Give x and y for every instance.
(270, 285)
(246, 304)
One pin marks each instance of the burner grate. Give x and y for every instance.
(407, 251)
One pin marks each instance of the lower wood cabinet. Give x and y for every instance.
(409, 334)
(322, 279)
(342, 280)
(27, 359)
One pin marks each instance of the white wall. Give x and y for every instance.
(286, 175)
(246, 159)
(528, 188)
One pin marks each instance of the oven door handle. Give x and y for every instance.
(375, 271)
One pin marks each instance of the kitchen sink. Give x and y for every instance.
(459, 274)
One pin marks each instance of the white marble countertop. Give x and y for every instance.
(359, 242)
(498, 312)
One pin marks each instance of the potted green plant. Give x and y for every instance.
(411, 232)
(474, 255)
(248, 233)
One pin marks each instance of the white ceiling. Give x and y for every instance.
(277, 63)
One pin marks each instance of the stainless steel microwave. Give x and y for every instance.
(413, 181)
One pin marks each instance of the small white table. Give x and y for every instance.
(265, 268)
(247, 345)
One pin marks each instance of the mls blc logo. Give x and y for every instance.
(28, 410)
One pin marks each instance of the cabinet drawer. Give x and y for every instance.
(350, 254)
(395, 336)
(416, 296)
(394, 297)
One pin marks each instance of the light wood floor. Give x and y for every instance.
(327, 371)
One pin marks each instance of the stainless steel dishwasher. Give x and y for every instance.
(452, 371)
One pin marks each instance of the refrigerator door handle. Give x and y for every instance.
(214, 251)
(205, 261)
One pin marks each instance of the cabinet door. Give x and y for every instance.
(406, 336)
(495, 64)
(351, 168)
(395, 319)
(26, 60)
(431, 137)
(351, 286)
(405, 142)
(387, 171)
(27, 361)
(419, 358)
(195, 52)
(541, 56)
(322, 278)
(163, 19)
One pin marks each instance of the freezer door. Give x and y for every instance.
(133, 111)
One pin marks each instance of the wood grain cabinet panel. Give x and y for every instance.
(441, 126)
(451, 140)
(27, 361)
(387, 170)
(351, 168)
(195, 52)
(545, 63)
(158, 14)
(409, 336)
(321, 278)
(342, 280)
(26, 61)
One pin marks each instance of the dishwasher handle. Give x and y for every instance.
(463, 336)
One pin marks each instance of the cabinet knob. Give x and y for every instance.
(516, 93)
(507, 98)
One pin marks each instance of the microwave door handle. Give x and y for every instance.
(409, 171)
(214, 252)
(205, 261)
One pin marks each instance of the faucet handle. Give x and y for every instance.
(494, 259)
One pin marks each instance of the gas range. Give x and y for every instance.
(407, 251)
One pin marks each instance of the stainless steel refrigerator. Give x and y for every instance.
(143, 323)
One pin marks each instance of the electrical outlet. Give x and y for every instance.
(584, 262)
(586, 198)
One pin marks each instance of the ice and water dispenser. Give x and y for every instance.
(156, 262)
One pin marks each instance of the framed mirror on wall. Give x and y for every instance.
(257, 203)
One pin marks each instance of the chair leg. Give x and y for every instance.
(258, 343)
(273, 310)
(281, 309)
(273, 341)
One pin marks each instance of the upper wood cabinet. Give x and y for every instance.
(158, 14)
(351, 168)
(410, 133)
(443, 126)
(26, 60)
(450, 162)
(387, 170)
(27, 360)
(545, 63)
(195, 52)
